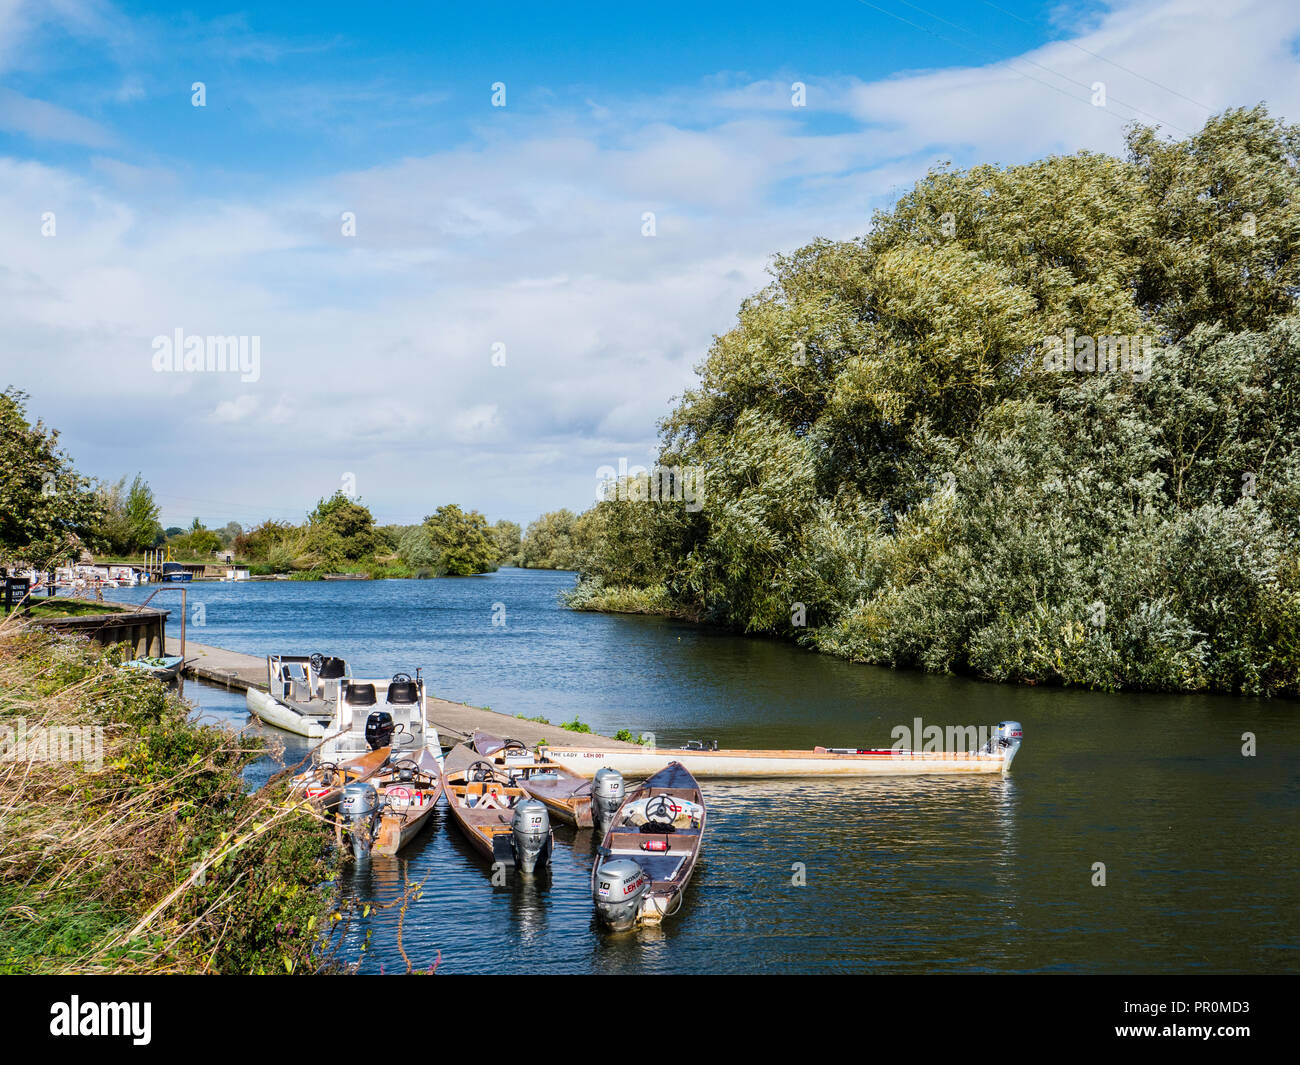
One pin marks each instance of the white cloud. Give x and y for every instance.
(376, 350)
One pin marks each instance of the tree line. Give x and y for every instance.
(49, 513)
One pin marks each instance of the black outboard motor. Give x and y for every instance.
(379, 729)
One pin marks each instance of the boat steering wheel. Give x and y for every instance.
(401, 678)
(661, 810)
(514, 745)
(483, 773)
(403, 765)
(317, 660)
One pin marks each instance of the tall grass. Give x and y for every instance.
(157, 859)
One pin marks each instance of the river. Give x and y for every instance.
(1198, 841)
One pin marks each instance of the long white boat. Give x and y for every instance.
(993, 756)
(302, 693)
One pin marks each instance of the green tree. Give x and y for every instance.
(461, 543)
(506, 534)
(47, 509)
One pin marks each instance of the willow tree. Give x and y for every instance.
(896, 470)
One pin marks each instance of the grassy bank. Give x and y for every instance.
(592, 595)
(146, 854)
(65, 607)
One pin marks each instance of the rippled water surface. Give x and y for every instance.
(1198, 842)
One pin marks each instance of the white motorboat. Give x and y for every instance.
(302, 693)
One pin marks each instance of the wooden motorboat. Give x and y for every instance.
(379, 764)
(564, 793)
(408, 788)
(302, 693)
(992, 756)
(501, 820)
(650, 850)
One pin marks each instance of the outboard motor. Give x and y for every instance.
(607, 793)
(617, 891)
(379, 729)
(359, 806)
(530, 833)
(1008, 738)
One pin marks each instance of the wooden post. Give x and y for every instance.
(180, 673)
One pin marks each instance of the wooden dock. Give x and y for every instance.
(454, 721)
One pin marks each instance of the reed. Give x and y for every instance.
(151, 856)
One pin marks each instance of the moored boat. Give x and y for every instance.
(385, 811)
(501, 820)
(164, 667)
(650, 850)
(379, 763)
(993, 756)
(302, 693)
(562, 791)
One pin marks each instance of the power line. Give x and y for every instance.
(1117, 66)
(1008, 63)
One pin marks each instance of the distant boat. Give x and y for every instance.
(176, 573)
(345, 576)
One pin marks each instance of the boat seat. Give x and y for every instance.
(403, 692)
(332, 669)
(361, 694)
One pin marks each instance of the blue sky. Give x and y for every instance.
(478, 226)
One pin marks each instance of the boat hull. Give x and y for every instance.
(742, 765)
(574, 811)
(272, 712)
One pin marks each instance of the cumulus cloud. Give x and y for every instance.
(377, 349)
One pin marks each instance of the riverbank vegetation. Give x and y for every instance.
(943, 445)
(145, 854)
(340, 535)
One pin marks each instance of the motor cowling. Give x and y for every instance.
(1007, 741)
(530, 833)
(607, 793)
(617, 891)
(359, 806)
(379, 729)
